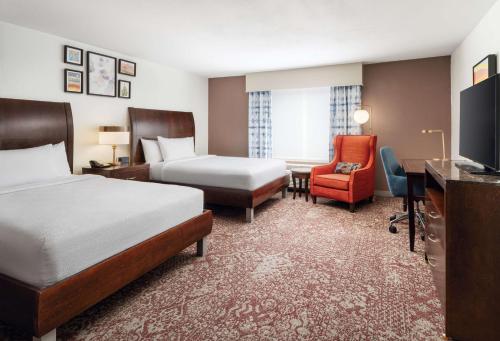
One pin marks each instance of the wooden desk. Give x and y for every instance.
(415, 171)
(462, 238)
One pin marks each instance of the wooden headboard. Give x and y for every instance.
(151, 123)
(25, 124)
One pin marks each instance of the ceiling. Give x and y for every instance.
(231, 37)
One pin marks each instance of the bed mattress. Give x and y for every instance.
(220, 171)
(54, 229)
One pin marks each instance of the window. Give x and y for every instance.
(301, 120)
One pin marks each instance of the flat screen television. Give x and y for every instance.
(480, 123)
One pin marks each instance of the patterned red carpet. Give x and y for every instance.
(299, 272)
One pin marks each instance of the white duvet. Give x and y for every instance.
(54, 229)
(220, 171)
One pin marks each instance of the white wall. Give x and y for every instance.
(482, 41)
(313, 77)
(31, 67)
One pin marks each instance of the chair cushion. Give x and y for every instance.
(337, 181)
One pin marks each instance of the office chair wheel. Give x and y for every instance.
(392, 217)
(393, 229)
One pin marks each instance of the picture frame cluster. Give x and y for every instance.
(102, 74)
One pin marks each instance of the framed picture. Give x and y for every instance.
(123, 89)
(126, 68)
(73, 55)
(484, 69)
(73, 81)
(101, 74)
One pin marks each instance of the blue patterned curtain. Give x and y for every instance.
(259, 125)
(344, 100)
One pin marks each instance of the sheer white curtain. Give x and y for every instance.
(301, 124)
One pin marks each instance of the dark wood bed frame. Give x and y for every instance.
(151, 123)
(40, 311)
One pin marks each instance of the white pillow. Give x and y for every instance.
(152, 153)
(176, 148)
(60, 159)
(20, 166)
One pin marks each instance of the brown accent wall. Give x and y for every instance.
(406, 97)
(227, 116)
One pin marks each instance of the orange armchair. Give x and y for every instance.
(358, 185)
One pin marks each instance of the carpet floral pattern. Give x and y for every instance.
(298, 272)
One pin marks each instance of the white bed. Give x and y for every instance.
(53, 229)
(220, 171)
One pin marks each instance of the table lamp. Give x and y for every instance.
(363, 115)
(113, 135)
(437, 131)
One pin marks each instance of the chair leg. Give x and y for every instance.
(352, 207)
(421, 221)
(313, 198)
(419, 217)
(399, 218)
(370, 199)
(395, 219)
(405, 204)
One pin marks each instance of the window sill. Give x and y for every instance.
(291, 162)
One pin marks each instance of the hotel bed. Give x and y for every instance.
(219, 171)
(77, 221)
(68, 242)
(231, 181)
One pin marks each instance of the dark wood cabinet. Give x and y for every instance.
(137, 172)
(463, 249)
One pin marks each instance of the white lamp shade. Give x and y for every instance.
(114, 137)
(361, 116)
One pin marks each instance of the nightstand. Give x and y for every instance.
(137, 172)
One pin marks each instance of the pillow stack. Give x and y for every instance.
(168, 149)
(151, 149)
(21, 166)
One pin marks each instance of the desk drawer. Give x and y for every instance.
(435, 247)
(435, 223)
(436, 258)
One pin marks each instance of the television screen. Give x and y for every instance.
(478, 115)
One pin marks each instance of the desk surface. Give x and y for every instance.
(414, 166)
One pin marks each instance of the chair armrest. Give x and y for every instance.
(362, 183)
(323, 169)
(365, 175)
(362, 174)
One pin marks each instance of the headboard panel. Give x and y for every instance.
(25, 124)
(151, 123)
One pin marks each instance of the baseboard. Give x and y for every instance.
(385, 194)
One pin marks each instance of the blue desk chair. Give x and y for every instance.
(396, 180)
